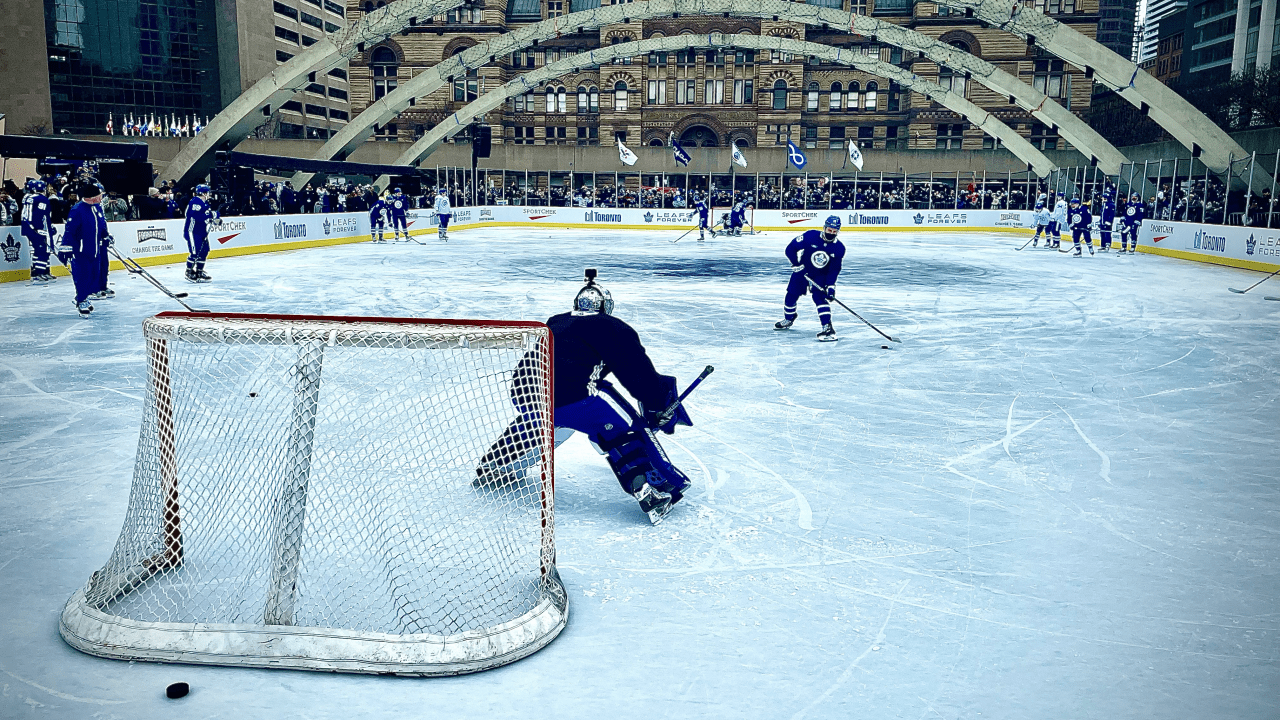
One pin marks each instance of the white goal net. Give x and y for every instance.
(306, 496)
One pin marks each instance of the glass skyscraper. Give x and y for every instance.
(140, 58)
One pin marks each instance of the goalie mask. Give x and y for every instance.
(592, 298)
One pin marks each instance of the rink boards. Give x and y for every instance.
(161, 242)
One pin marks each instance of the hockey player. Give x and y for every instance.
(1081, 219)
(399, 205)
(378, 220)
(443, 213)
(1041, 216)
(38, 230)
(1058, 221)
(704, 217)
(1130, 224)
(816, 257)
(196, 231)
(590, 343)
(1107, 221)
(83, 240)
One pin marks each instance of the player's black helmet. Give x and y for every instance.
(592, 298)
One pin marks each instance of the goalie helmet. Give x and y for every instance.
(592, 298)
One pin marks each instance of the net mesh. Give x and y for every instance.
(312, 473)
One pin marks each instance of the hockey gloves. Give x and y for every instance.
(671, 414)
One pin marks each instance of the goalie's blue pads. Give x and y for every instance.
(637, 459)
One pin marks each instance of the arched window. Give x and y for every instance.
(368, 6)
(780, 95)
(551, 99)
(582, 98)
(812, 104)
(562, 100)
(855, 102)
(872, 91)
(385, 67)
(619, 96)
(466, 89)
(656, 142)
(595, 99)
(837, 97)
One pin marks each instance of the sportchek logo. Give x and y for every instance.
(537, 213)
(592, 216)
(798, 217)
(285, 231)
(860, 219)
(1160, 231)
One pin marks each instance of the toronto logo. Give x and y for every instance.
(919, 219)
(11, 248)
(1250, 244)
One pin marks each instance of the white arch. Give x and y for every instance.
(455, 123)
(1070, 127)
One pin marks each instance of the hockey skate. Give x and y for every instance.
(1090, 246)
(1077, 253)
(103, 294)
(828, 334)
(84, 307)
(198, 276)
(42, 279)
(783, 324)
(657, 505)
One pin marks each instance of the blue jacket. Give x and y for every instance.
(199, 215)
(86, 230)
(35, 216)
(1080, 218)
(822, 260)
(1133, 214)
(376, 216)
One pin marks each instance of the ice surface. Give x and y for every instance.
(1057, 498)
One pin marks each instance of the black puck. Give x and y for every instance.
(884, 347)
(177, 690)
(253, 394)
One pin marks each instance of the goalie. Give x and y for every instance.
(590, 344)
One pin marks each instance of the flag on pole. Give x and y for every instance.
(110, 125)
(738, 157)
(795, 157)
(625, 155)
(682, 157)
(855, 155)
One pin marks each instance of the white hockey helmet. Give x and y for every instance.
(592, 298)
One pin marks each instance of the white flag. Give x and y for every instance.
(855, 155)
(738, 157)
(625, 155)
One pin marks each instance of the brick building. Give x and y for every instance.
(720, 96)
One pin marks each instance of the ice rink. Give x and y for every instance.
(1057, 498)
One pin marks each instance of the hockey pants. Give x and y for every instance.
(376, 229)
(39, 253)
(1105, 240)
(444, 221)
(198, 247)
(1077, 233)
(104, 266)
(85, 273)
(798, 286)
(1129, 235)
(398, 223)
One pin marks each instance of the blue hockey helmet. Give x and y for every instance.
(440, 191)
(1039, 204)
(37, 185)
(201, 189)
(832, 223)
(592, 298)
(1075, 200)
(1135, 196)
(398, 191)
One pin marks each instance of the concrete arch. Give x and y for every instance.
(1014, 142)
(254, 105)
(1185, 123)
(1069, 126)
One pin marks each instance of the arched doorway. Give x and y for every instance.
(699, 136)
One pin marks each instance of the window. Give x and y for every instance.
(338, 73)
(742, 92)
(316, 110)
(525, 102)
(595, 99)
(588, 135)
(713, 92)
(895, 101)
(315, 88)
(308, 41)
(872, 89)
(284, 10)
(855, 97)
(334, 8)
(836, 104)
(620, 96)
(582, 99)
(895, 55)
(686, 93)
(837, 137)
(467, 88)
(562, 100)
(657, 59)
(657, 92)
(715, 58)
(812, 104)
(951, 80)
(891, 138)
(293, 105)
(811, 136)
(1043, 137)
(385, 67)
(780, 95)
(282, 56)
(337, 114)
(312, 20)
(990, 143)
(686, 58)
(524, 136)
(1048, 78)
(286, 35)
(950, 136)
(330, 27)
(555, 8)
(866, 136)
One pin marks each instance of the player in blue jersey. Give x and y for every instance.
(704, 217)
(399, 205)
(84, 242)
(37, 228)
(378, 220)
(1106, 223)
(195, 229)
(1080, 219)
(1130, 224)
(816, 258)
(590, 344)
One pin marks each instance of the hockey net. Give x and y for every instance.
(305, 495)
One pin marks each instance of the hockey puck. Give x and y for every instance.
(177, 690)
(253, 394)
(884, 347)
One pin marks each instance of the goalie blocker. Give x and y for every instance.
(589, 345)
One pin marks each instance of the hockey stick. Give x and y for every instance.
(133, 267)
(1033, 237)
(1271, 297)
(665, 416)
(712, 229)
(846, 307)
(1241, 292)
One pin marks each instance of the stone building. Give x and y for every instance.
(717, 97)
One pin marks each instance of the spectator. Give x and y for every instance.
(115, 208)
(152, 207)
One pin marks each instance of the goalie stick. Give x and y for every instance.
(1241, 292)
(134, 268)
(665, 416)
(695, 227)
(815, 285)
